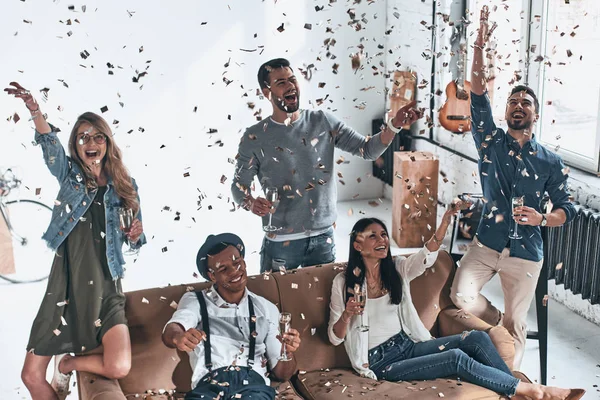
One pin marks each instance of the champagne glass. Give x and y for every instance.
(273, 198)
(125, 221)
(360, 296)
(516, 202)
(285, 320)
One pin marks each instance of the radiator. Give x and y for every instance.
(572, 254)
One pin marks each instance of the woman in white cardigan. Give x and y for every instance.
(385, 339)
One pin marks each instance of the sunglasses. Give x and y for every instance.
(99, 138)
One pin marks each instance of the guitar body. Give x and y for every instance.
(455, 114)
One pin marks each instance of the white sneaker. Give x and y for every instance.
(60, 381)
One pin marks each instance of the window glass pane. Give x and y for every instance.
(570, 79)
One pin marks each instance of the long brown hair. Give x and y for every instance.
(113, 161)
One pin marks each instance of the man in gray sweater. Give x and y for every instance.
(293, 152)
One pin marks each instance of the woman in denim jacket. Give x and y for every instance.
(84, 306)
(401, 349)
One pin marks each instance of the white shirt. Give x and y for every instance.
(382, 327)
(356, 342)
(230, 332)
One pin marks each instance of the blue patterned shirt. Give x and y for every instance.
(507, 170)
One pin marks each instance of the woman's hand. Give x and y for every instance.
(136, 231)
(454, 208)
(352, 308)
(21, 93)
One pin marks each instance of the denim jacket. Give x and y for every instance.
(74, 199)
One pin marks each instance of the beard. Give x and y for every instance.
(519, 125)
(281, 104)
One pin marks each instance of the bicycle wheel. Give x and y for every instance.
(33, 258)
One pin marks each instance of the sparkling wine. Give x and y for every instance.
(125, 220)
(359, 298)
(284, 327)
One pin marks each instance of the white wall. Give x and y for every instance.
(185, 61)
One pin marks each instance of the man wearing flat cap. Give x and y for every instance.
(230, 333)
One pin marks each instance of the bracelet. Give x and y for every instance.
(344, 320)
(391, 127)
(435, 239)
(34, 111)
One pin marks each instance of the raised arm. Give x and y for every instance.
(478, 78)
(32, 105)
(353, 142)
(413, 266)
(45, 135)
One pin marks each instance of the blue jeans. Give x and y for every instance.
(295, 253)
(254, 388)
(471, 356)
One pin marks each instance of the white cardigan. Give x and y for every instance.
(356, 342)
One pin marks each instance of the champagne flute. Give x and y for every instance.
(516, 202)
(273, 198)
(125, 221)
(360, 296)
(285, 320)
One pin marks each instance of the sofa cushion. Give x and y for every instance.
(305, 293)
(154, 366)
(431, 291)
(337, 383)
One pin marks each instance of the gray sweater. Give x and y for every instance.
(298, 161)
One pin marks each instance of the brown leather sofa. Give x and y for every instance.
(324, 370)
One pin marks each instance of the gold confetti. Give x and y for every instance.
(559, 266)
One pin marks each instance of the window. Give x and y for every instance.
(551, 46)
(568, 84)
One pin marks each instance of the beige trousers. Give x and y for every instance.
(518, 278)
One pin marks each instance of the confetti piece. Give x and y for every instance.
(559, 266)
(145, 300)
(98, 323)
(173, 305)
(56, 332)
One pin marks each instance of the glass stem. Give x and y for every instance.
(270, 218)
(284, 352)
(516, 228)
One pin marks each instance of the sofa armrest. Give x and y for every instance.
(94, 387)
(453, 321)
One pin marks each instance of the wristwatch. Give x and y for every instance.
(392, 127)
(544, 220)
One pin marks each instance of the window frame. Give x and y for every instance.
(534, 33)
(536, 76)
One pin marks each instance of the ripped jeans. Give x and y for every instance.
(470, 356)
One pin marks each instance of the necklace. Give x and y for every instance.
(375, 290)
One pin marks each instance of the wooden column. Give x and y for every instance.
(415, 197)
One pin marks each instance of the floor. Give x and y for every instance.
(574, 343)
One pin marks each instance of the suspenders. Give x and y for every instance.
(205, 328)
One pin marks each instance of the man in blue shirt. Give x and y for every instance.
(512, 164)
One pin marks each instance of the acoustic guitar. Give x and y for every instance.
(455, 114)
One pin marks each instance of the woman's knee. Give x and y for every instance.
(32, 377)
(476, 337)
(117, 369)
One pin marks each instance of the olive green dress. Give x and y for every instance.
(82, 300)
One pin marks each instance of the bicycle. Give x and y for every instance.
(25, 220)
